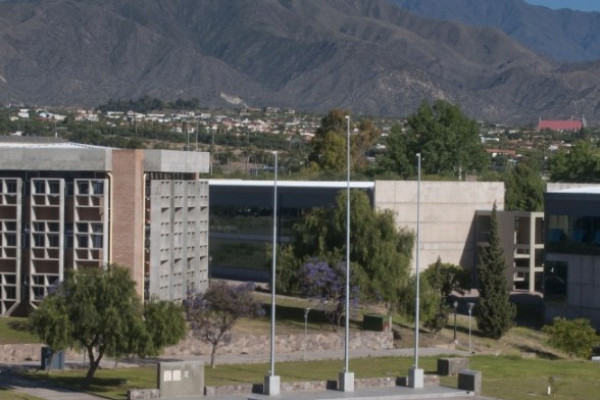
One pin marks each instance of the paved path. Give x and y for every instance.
(40, 389)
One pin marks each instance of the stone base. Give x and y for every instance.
(346, 381)
(272, 385)
(416, 378)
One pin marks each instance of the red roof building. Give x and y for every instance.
(560, 126)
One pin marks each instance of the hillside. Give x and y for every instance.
(564, 35)
(367, 56)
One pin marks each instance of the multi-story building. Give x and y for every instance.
(572, 267)
(521, 235)
(69, 206)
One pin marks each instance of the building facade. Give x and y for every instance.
(521, 236)
(572, 266)
(447, 215)
(68, 206)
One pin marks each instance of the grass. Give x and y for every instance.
(16, 331)
(504, 377)
(9, 394)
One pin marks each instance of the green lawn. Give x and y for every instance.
(9, 394)
(15, 330)
(507, 378)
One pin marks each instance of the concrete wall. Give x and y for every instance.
(447, 215)
(583, 287)
(176, 161)
(260, 344)
(55, 159)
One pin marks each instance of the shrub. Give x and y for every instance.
(575, 337)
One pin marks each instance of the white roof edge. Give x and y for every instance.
(582, 190)
(307, 184)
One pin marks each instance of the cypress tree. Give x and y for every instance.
(494, 311)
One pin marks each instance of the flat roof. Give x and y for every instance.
(292, 184)
(581, 190)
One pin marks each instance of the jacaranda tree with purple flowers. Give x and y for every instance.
(327, 284)
(212, 314)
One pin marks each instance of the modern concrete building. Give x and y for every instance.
(572, 266)
(241, 217)
(522, 238)
(447, 215)
(69, 206)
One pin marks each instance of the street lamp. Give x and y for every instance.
(272, 384)
(416, 374)
(470, 312)
(306, 311)
(455, 304)
(346, 378)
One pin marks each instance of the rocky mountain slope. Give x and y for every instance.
(367, 56)
(564, 35)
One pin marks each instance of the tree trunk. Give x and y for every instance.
(94, 364)
(213, 354)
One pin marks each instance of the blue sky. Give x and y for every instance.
(584, 5)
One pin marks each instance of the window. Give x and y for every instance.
(82, 241)
(97, 241)
(98, 187)
(83, 187)
(53, 240)
(39, 187)
(38, 240)
(10, 240)
(11, 186)
(54, 187)
(38, 226)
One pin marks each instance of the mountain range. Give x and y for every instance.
(370, 57)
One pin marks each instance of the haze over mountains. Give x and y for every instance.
(368, 56)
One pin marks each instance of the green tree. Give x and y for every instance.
(575, 337)
(579, 164)
(379, 252)
(213, 313)
(524, 188)
(99, 310)
(494, 311)
(396, 158)
(444, 279)
(446, 138)
(330, 143)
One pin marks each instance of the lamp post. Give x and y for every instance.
(470, 312)
(346, 378)
(272, 386)
(455, 305)
(416, 374)
(306, 311)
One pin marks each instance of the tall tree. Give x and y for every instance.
(524, 188)
(99, 310)
(494, 311)
(447, 139)
(379, 252)
(330, 143)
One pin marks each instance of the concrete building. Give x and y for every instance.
(68, 206)
(572, 266)
(447, 215)
(241, 218)
(522, 238)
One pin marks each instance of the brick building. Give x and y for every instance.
(68, 206)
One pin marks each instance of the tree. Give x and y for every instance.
(494, 311)
(99, 310)
(579, 164)
(379, 253)
(330, 147)
(444, 279)
(328, 284)
(213, 314)
(575, 337)
(447, 140)
(524, 188)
